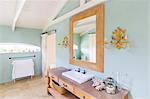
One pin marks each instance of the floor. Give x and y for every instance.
(26, 88)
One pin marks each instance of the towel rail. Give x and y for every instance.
(22, 57)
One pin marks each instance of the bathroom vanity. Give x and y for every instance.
(76, 90)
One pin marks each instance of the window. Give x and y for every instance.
(18, 48)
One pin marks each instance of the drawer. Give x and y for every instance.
(82, 95)
(53, 77)
(58, 88)
(67, 86)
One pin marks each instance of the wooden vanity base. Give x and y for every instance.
(83, 91)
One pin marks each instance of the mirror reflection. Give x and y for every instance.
(84, 39)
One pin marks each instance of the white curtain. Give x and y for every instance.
(48, 52)
(51, 51)
(44, 51)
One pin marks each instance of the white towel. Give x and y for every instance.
(22, 68)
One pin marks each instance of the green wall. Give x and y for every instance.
(133, 16)
(21, 35)
(149, 44)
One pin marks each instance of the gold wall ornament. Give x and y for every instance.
(64, 43)
(119, 38)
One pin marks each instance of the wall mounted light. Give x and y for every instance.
(118, 40)
(64, 43)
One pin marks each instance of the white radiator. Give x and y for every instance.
(22, 68)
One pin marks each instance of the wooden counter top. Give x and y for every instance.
(87, 86)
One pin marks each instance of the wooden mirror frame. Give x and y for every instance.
(99, 12)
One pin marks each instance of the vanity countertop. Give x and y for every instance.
(87, 86)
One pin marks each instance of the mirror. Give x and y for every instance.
(86, 39)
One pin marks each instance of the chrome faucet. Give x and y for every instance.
(78, 70)
(84, 71)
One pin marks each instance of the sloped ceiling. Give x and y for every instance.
(7, 11)
(35, 13)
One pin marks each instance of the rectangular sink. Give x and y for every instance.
(77, 76)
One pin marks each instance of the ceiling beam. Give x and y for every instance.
(73, 12)
(18, 12)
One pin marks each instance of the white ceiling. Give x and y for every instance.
(7, 11)
(35, 13)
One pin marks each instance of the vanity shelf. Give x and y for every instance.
(83, 91)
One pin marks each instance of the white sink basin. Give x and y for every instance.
(77, 76)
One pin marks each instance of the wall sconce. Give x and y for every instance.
(64, 43)
(119, 39)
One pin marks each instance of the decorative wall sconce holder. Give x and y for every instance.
(118, 40)
(64, 43)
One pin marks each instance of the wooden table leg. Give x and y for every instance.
(126, 97)
(49, 86)
(49, 82)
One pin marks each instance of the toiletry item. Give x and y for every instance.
(96, 82)
(101, 86)
(109, 85)
(111, 89)
(109, 80)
